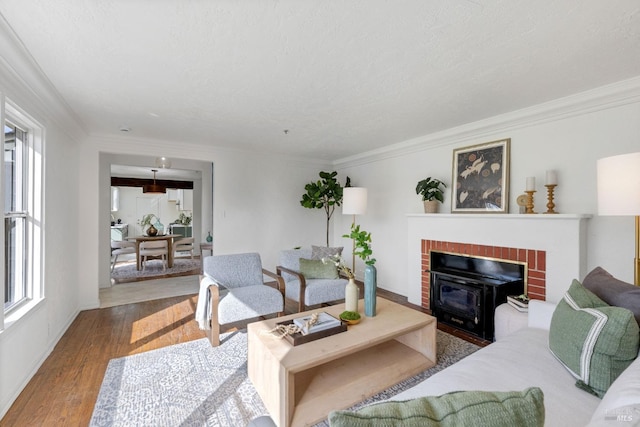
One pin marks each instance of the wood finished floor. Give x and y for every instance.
(64, 390)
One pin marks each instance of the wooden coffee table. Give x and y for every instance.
(300, 385)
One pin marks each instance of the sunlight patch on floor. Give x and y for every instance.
(147, 290)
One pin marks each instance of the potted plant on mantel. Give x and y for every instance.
(432, 193)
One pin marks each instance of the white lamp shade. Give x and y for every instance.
(619, 185)
(354, 201)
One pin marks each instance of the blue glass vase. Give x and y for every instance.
(160, 227)
(370, 288)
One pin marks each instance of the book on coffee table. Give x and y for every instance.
(324, 321)
(330, 326)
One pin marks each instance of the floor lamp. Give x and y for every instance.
(354, 202)
(619, 193)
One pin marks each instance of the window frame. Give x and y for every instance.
(18, 214)
(32, 211)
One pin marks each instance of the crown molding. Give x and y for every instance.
(605, 97)
(141, 146)
(25, 85)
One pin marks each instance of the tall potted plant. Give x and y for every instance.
(432, 193)
(362, 249)
(326, 193)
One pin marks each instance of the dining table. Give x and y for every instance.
(168, 237)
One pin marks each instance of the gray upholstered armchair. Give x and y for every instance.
(237, 292)
(307, 291)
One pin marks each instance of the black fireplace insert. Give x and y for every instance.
(465, 290)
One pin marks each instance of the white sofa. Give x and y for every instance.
(522, 359)
(519, 359)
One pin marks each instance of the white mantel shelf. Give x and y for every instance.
(562, 236)
(538, 216)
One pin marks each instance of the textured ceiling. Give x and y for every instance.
(343, 77)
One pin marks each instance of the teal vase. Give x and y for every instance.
(370, 288)
(209, 238)
(160, 227)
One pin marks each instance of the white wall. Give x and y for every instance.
(257, 205)
(568, 135)
(28, 341)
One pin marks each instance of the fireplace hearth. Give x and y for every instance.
(465, 290)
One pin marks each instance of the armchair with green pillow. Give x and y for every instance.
(308, 280)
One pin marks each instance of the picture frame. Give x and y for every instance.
(481, 178)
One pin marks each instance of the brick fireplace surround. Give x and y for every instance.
(535, 261)
(554, 247)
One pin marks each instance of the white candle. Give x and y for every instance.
(531, 183)
(552, 177)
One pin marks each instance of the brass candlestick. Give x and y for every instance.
(550, 204)
(529, 205)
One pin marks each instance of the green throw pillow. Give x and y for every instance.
(456, 409)
(316, 269)
(593, 340)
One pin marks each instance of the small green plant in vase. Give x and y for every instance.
(147, 220)
(362, 244)
(362, 249)
(184, 219)
(351, 290)
(432, 192)
(340, 266)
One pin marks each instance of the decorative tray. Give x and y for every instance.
(299, 338)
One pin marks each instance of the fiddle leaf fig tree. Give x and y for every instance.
(326, 193)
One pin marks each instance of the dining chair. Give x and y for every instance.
(184, 244)
(121, 248)
(154, 248)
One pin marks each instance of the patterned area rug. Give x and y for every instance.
(194, 384)
(126, 272)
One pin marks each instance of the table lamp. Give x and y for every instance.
(354, 202)
(619, 193)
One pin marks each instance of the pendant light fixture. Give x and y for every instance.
(154, 188)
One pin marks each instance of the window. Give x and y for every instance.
(22, 202)
(15, 217)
